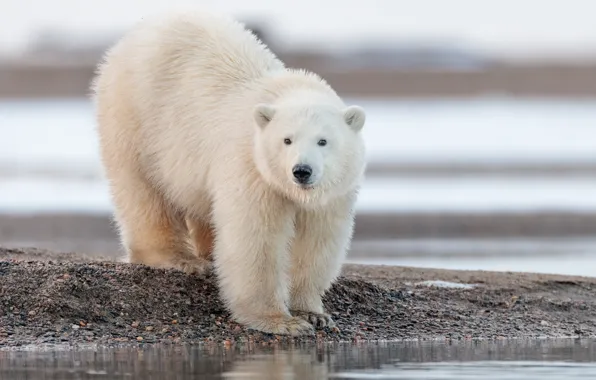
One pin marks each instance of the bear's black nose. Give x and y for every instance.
(302, 173)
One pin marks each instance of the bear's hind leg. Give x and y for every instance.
(151, 231)
(201, 236)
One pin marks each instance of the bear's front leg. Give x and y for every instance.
(320, 245)
(251, 259)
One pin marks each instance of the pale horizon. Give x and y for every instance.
(505, 28)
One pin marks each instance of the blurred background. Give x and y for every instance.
(481, 126)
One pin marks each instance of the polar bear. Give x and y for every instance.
(217, 154)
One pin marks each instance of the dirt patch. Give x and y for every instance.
(49, 298)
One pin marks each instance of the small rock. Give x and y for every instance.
(135, 324)
(75, 327)
(149, 328)
(544, 323)
(139, 338)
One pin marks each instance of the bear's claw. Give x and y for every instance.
(283, 325)
(191, 265)
(319, 320)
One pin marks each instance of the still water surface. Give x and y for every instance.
(528, 360)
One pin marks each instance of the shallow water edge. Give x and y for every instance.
(529, 359)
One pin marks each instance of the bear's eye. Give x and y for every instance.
(287, 141)
(322, 142)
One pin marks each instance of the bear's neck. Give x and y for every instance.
(284, 83)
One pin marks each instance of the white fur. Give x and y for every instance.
(192, 115)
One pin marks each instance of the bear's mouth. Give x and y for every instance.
(305, 186)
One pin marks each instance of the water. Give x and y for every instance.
(570, 256)
(490, 129)
(565, 264)
(31, 194)
(49, 159)
(528, 360)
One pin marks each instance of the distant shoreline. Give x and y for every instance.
(36, 79)
(376, 168)
(95, 234)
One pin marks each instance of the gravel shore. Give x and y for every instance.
(64, 298)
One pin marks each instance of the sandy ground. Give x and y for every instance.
(62, 298)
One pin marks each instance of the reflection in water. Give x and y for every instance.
(535, 359)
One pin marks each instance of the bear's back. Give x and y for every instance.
(177, 72)
(209, 49)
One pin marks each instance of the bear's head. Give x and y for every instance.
(312, 151)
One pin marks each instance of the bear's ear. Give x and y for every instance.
(263, 114)
(355, 117)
